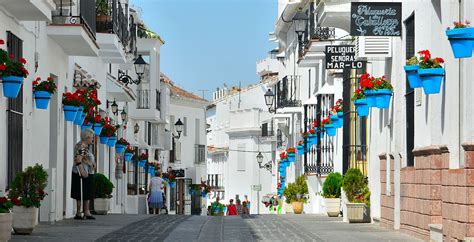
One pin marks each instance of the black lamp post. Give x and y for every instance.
(124, 115)
(179, 128)
(114, 107)
(140, 66)
(136, 128)
(300, 21)
(269, 98)
(267, 166)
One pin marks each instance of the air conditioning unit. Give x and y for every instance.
(371, 47)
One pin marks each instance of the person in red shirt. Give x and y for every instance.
(231, 208)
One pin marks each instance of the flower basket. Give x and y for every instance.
(112, 141)
(97, 128)
(313, 139)
(462, 41)
(103, 140)
(78, 119)
(300, 149)
(70, 112)
(330, 130)
(361, 107)
(86, 126)
(172, 184)
(42, 99)
(382, 98)
(291, 157)
(120, 148)
(337, 122)
(412, 75)
(142, 163)
(340, 114)
(128, 156)
(431, 78)
(370, 98)
(12, 85)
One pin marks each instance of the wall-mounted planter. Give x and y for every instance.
(97, 128)
(431, 78)
(370, 98)
(330, 129)
(142, 163)
(312, 139)
(412, 75)
(80, 118)
(462, 41)
(335, 121)
(11, 86)
(103, 140)
(86, 126)
(119, 148)
(361, 107)
(300, 149)
(382, 98)
(128, 156)
(112, 141)
(291, 157)
(80, 111)
(172, 184)
(42, 99)
(69, 112)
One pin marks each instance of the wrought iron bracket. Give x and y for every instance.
(126, 79)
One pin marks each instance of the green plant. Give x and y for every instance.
(355, 187)
(412, 61)
(102, 186)
(5, 205)
(427, 62)
(297, 191)
(28, 187)
(358, 94)
(102, 7)
(47, 86)
(332, 185)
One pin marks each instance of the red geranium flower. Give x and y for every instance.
(2, 42)
(12, 56)
(22, 60)
(439, 59)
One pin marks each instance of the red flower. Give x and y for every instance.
(12, 56)
(15, 201)
(3, 200)
(378, 83)
(3, 67)
(50, 79)
(358, 90)
(439, 59)
(46, 86)
(2, 42)
(35, 83)
(22, 60)
(125, 127)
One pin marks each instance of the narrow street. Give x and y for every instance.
(206, 228)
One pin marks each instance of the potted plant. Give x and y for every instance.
(332, 193)
(431, 72)
(105, 133)
(70, 105)
(312, 136)
(205, 189)
(411, 70)
(329, 126)
(26, 193)
(300, 147)
(291, 154)
(42, 91)
(367, 85)
(284, 159)
(6, 219)
(121, 145)
(337, 111)
(143, 159)
(296, 193)
(357, 192)
(128, 153)
(461, 38)
(103, 8)
(383, 92)
(102, 192)
(99, 123)
(89, 120)
(360, 102)
(12, 73)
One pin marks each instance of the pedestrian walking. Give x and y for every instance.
(239, 206)
(245, 210)
(82, 189)
(155, 199)
(231, 208)
(247, 202)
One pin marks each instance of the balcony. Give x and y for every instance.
(268, 66)
(334, 13)
(145, 109)
(199, 154)
(287, 95)
(29, 10)
(314, 46)
(73, 27)
(112, 30)
(216, 182)
(244, 122)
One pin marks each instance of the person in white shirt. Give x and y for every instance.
(156, 195)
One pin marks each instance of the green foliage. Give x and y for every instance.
(102, 8)
(412, 61)
(332, 185)
(5, 205)
(355, 187)
(102, 186)
(297, 191)
(28, 186)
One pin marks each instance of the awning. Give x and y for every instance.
(326, 89)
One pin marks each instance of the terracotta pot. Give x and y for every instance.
(297, 207)
(6, 220)
(102, 205)
(358, 213)
(332, 206)
(24, 219)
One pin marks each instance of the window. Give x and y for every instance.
(172, 123)
(410, 92)
(241, 157)
(185, 126)
(197, 129)
(177, 151)
(200, 154)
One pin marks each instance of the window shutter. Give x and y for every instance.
(241, 157)
(373, 47)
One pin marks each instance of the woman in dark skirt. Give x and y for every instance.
(83, 168)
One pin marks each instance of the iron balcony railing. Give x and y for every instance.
(200, 154)
(74, 12)
(112, 18)
(286, 92)
(143, 99)
(132, 44)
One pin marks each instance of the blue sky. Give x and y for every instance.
(211, 42)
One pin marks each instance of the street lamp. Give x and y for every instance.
(114, 107)
(136, 128)
(300, 21)
(259, 158)
(269, 98)
(124, 115)
(179, 128)
(140, 66)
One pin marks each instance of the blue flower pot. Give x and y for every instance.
(292, 157)
(166, 179)
(79, 113)
(337, 122)
(382, 98)
(112, 141)
(128, 156)
(313, 139)
(431, 79)
(97, 129)
(142, 163)
(11, 86)
(80, 118)
(203, 194)
(119, 148)
(462, 41)
(103, 140)
(42, 99)
(69, 113)
(412, 75)
(361, 107)
(300, 149)
(153, 172)
(150, 169)
(370, 97)
(86, 126)
(330, 129)
(172, 184)
(340, 115)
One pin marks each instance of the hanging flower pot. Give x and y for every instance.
(361, 107)
(461, 39)
(97, 128)
(412, 75)
(128, 156)
(312, 138)
(11, 86)
(431, 79)
(382, 98)
(153, 173)
(69, 112)
(86, 126)
(203, 194)
(80, 118)
(42, 99)
(291, 157)
(119, 148)
(370, 98)
(300, 149)
(103, 140)
(112, 141)
(330, 129)
(172, 184)
(141, 163)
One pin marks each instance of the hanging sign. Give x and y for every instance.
(342, 57)
(376, 19)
